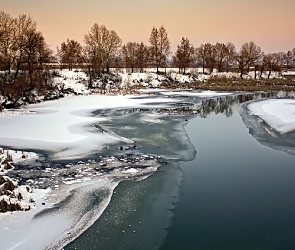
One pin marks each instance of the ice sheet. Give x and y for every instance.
(63, 127)
(279, 114)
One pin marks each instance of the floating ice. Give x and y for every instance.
(279, 114)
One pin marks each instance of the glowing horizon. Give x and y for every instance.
(269, 23)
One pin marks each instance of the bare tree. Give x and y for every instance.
(184, 55)
(25, 30)
(249, 56)
(70, 53)
(6, 37)
(159, 47)
(288, 59)
(272, 62)
(130, 54)
(142, 56)
(210, 56)
(230, 55)
(220, 51)
(200, 53)
(102, 46)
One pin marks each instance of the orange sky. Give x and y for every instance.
(269, 23)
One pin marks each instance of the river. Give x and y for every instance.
(228, 192)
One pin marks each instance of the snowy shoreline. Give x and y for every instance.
(62, 214)
(26, 125)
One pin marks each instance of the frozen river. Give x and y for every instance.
(218, 176)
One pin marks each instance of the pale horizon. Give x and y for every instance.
(268, 23)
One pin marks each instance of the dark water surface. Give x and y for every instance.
(234, 193)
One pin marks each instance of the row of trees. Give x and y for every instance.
(22, 46)
(103, 49)
(22, 49)
(224, 57)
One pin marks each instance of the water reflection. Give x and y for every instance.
(236, 194)
(224, 105)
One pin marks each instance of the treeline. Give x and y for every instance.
(24, 52)
(104, 49)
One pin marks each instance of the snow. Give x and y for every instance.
(20, 228)
(63, 127)
(279, 114)
(130, 171)
(17, 156)
(72, 79)
(288, 73)
(205, 94)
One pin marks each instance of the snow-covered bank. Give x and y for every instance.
(279, 114)
(12, 196)
(60, 215)
(8, 157)
(63, 127)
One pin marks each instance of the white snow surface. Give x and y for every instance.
(279, 114)
(72, 79)
(17, 156)
(21, 230)
(204, 94)
(63, 127)
(17, 227)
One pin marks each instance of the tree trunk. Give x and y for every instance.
(255, 69)
(242, 72)
(18, 67)
(261, 71)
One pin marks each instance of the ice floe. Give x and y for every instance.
(279, 114)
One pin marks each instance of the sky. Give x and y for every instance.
(268, 23)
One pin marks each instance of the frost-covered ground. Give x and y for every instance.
(77, 80)
(279, 114)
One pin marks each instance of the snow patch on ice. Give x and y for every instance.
(279, 114)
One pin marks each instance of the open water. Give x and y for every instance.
(220, 189)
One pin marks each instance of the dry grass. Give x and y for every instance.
(233, 84)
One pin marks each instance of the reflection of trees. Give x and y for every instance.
(221, 105)
(224, 105)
